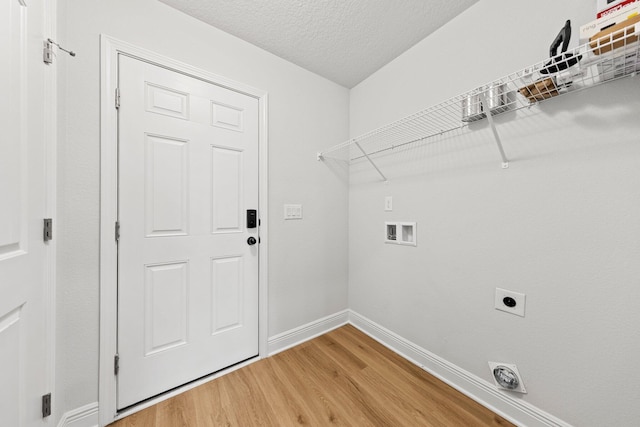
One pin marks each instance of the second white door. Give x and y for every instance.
(187, 258)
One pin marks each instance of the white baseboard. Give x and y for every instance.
(303, 333)
(517, 411)
(85, 416)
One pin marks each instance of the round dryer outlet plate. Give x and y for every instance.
(512, 369)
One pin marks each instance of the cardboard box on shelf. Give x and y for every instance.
(622, 34)
(619, 66)
(622, 13)
(540, 90)
(607, 7)
(620, 44)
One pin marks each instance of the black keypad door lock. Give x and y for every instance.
(251, 241)
(252, 218)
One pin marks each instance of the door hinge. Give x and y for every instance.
(116, 364)
(117, 231)
(117, 98)
(47, 52)
(47, 229)
(46, 405)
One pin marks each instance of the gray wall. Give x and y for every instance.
(560, 225)
(308, 258)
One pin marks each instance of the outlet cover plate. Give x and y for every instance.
(519, 298)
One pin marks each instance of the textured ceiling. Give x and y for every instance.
(343, 40)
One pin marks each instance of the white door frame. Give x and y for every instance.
(110, 48)
(50, 127)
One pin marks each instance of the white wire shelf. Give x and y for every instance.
(614, 57)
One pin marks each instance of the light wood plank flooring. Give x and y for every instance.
(343, 378)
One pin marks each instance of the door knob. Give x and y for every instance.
(251, 241)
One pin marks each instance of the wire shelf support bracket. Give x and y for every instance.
(496, 135)
(364, 153)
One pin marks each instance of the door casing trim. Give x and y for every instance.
(110, 48)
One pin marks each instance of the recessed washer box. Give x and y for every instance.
(400, 233)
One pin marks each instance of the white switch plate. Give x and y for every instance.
(388, 204)
(519, 298)
(292, 211)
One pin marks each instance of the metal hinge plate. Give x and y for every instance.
(47, 229)
(117, 231)
(116, 364)
(117, 98)
(46, 405)
(47, 52)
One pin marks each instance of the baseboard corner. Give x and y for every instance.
(295, 336)
(84, 416)
(516, 411)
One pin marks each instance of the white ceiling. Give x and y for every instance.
(343, 40)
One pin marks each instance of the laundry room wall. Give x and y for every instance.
(559, 225)
(307, 258)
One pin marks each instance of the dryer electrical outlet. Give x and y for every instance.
(510, 301)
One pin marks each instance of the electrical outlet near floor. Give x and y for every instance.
(507, 377)
(510, 301)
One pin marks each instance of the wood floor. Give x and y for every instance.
(343, 378)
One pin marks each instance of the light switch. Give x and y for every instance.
(388, 203)
(292, 211)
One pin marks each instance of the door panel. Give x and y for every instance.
(226, 190)
(23, 339)
(166, 186)
(166, 309)
(187, 279)
(12, 149)
(10, 368)
(227, 116)
(162, 100)
(227, 287)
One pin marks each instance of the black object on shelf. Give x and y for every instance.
(564, 60)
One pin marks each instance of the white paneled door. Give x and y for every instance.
(23, 300)
(187, 258)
